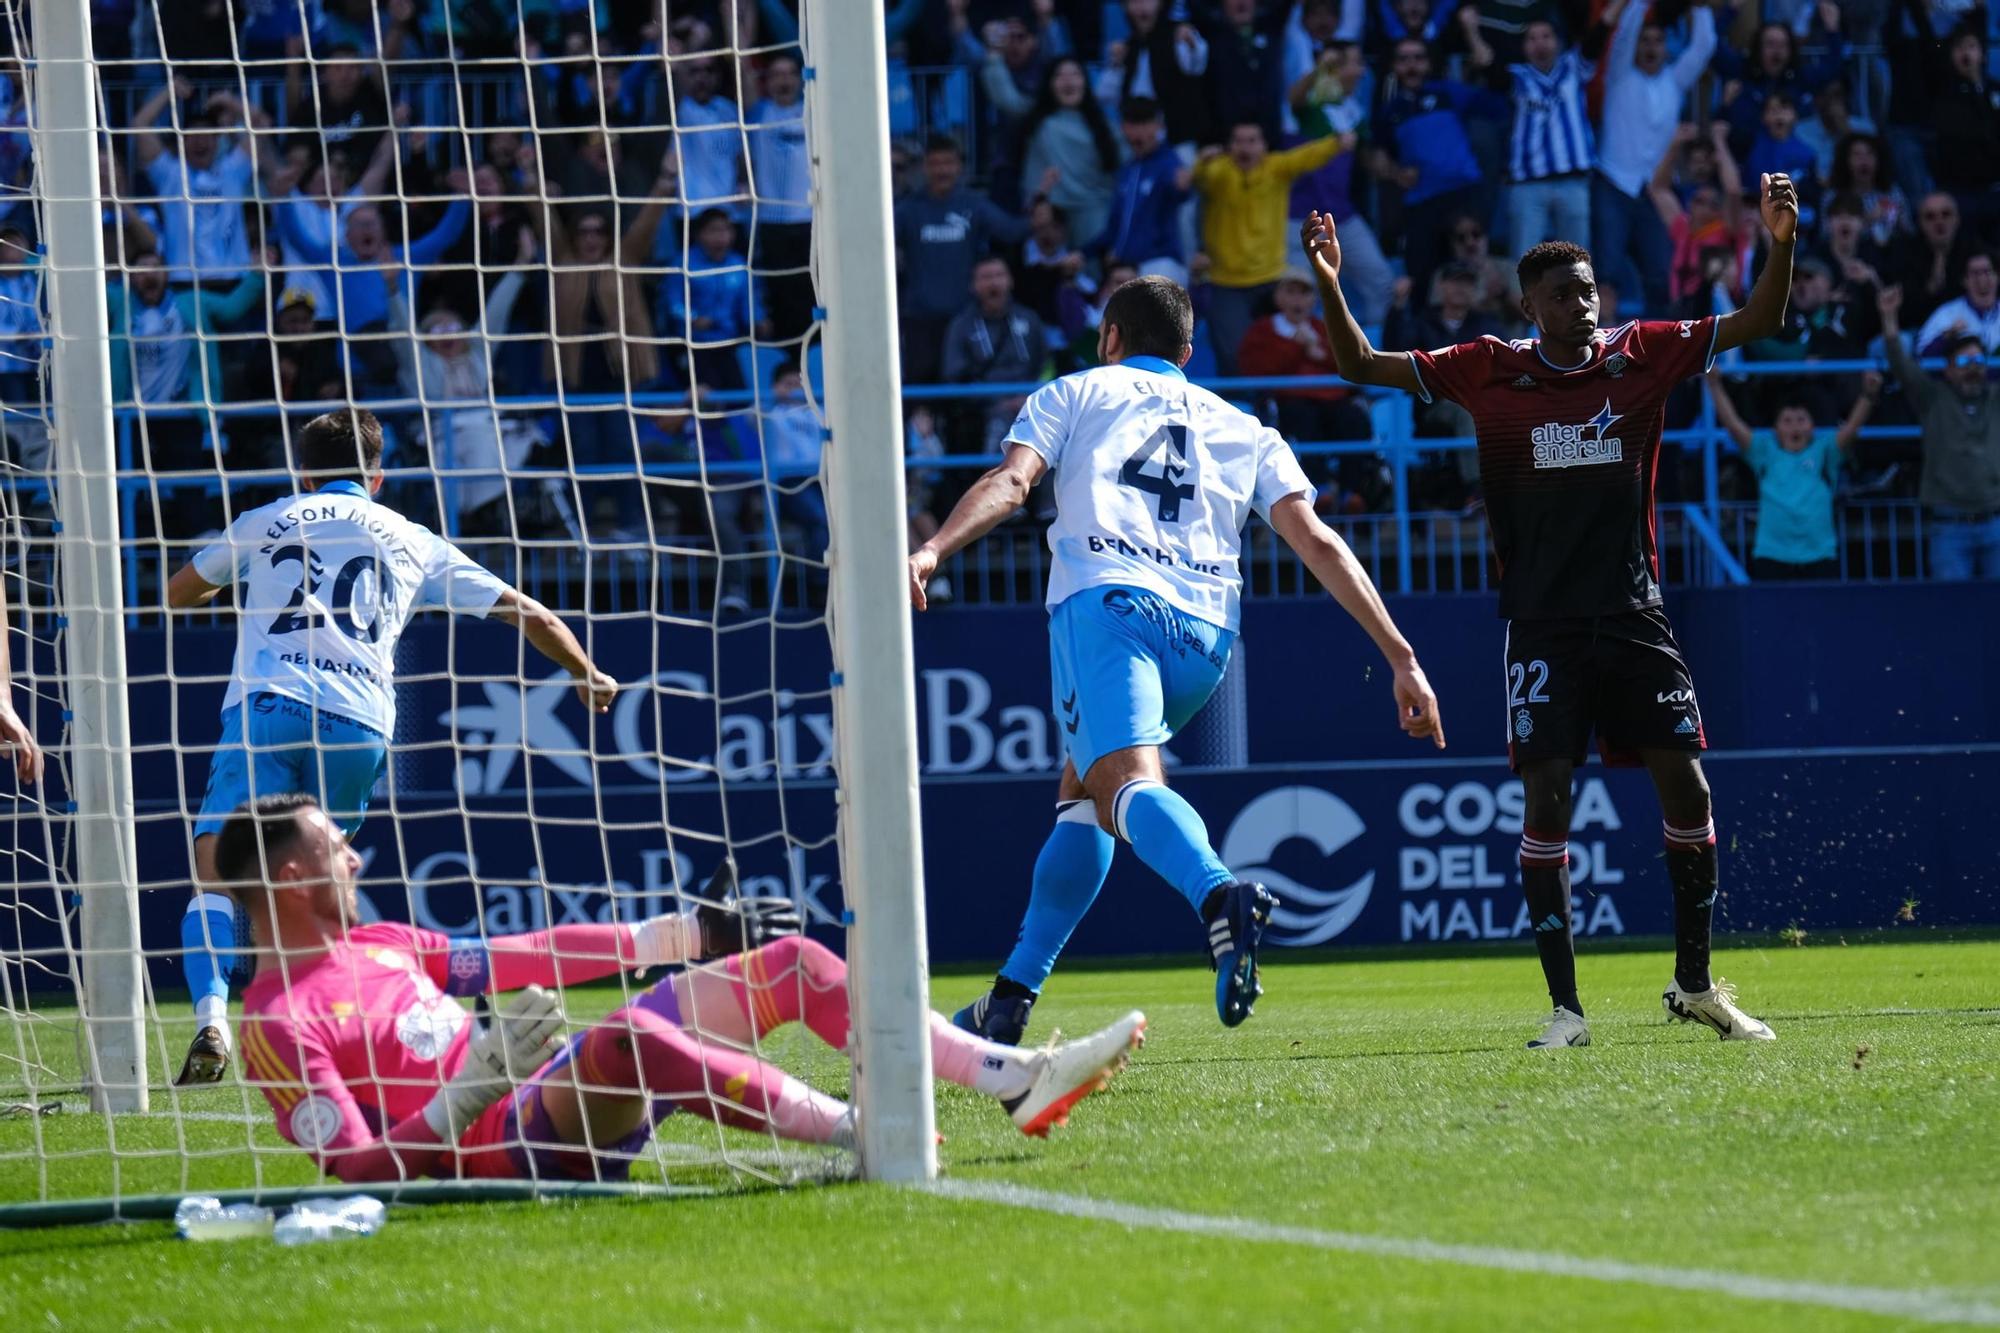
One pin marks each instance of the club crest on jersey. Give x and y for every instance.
(1614, 365)
(1524, 726)
(1559, 445)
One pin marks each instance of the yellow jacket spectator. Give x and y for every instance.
(1244, 192)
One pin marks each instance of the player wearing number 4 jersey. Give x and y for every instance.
(1154, 481)
(1568, 425)
(325, 583)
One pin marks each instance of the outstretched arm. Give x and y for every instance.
(1764, 313)
(14, 733)
(1327, 556)
(545, 630)
(1857, 416)
(1726, 415)
(981, 509)
(1356, 359)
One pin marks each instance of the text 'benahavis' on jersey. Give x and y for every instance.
(325, 584)
(1567, 459)
(1154, 480)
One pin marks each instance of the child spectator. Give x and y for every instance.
(1774, 67)
(1798, 475)
(715, 305)
(1142, 227)
(1712, 220)
(1777, 149)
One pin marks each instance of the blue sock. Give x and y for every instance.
(1068, 874)
(208, 948)
(1170, 837)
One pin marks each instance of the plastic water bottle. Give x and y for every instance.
(205, 1217)
(331, 1219)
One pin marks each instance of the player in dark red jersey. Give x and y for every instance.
(1569, 438)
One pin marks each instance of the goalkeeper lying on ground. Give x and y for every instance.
(355, 1034)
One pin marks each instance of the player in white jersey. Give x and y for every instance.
(326, 582)
(1154, 480)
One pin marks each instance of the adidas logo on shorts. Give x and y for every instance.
(1686, 728)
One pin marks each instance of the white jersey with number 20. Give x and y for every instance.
(325, 583)
(1154, 480)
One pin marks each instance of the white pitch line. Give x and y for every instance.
(1930, 1307)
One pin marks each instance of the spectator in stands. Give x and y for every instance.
(164, 354)
(1497, 293)
(1798, 475)
(1975, 314)
(346, 110)
(449, 368)
(1930, 265)
(1861, 169)
(1777, 147)
(1918, 64)
(995, 341)
(202, 189)
(1712, 219)
(1142, 227)
(1069, 153)
(129, 227)
(1083, 344)
(715, 305)
(793, 441)
(1422, 148)
(940, 235)
(1292, 342)
(1552, 150)
(1831, 122)
(318, 209)
(1014, 67)
(1856, 259)
(709, 137)
(781, 185)
(1774, 67)
(1246, 64)
(1452, 319)
(1245, 191)
(1164, 60)
(1961, 441)
(605, 346)
(1966, 115)
(305, 362)
(1642, 101)
(1330, 97)
(1053, 282)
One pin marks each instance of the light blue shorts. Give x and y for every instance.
(1130, 668)
(272, 745)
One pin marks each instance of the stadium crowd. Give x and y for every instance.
(380, 223)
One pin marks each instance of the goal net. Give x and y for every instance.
(572, 259)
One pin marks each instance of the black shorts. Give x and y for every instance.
(1621, 676)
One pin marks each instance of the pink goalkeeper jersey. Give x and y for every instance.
(365, 1035)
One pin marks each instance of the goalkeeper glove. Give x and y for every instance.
(510, 1048)
(713, 930)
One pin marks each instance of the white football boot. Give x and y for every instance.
(1716, 1007)
(1071, 1071)
(1564, 1029)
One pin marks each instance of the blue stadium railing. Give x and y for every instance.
(1409, 550)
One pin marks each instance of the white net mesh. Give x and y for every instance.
(566, 261)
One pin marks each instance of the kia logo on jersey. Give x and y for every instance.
(1558, 445)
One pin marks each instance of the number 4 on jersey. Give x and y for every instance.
(1167, 486)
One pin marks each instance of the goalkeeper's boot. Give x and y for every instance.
(1068, 1072)
(207, 1059)
(1002, 1019)
(1239, 913)
(1715, 1007)
(1566, 1028)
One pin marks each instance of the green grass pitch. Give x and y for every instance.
(1379, 1096)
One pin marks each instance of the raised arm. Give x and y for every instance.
(1726, 415)
(1857, 416)
(14, 733)
(1660, 189)
(1917, 386)
(549, 636)
(1356, 359)
(1626, 19)
(1764, 313)
(146, 143)
(985, 506)
(1327, 556)
(1688, 66)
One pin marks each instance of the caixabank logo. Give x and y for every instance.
(1440, 864)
